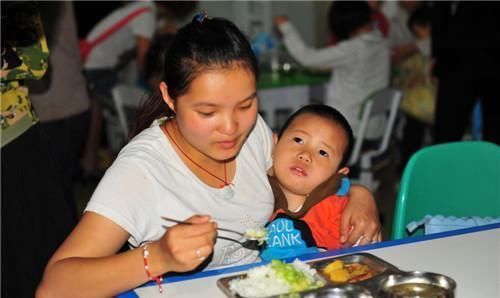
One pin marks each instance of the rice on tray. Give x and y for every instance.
(276, 278)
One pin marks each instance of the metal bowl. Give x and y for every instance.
(417, 284)
(341, 291)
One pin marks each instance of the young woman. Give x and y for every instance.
(208, 155)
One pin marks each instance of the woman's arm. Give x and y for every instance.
(360, 218)
(86, 264)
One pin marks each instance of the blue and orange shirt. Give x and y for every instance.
(316, 225)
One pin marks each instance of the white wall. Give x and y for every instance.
(308, 16)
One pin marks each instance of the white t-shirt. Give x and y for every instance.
(360, 67)
(106, 54)
(149, 180)
(399, 33)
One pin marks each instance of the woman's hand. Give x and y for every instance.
(184, 247)
(360, 223)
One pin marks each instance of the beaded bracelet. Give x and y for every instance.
(158, 279)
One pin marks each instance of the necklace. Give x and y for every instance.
(228, 187)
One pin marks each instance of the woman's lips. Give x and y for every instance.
(227, 144)
(298, 171)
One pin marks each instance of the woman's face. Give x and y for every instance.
(309, 152)
(217, 113)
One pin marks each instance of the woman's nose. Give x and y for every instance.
(229, 125)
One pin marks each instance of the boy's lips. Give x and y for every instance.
(298, 171)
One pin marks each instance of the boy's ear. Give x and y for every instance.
(166, 97)
(344, 171)
(275, 138)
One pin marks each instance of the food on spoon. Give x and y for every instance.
(276, 278)
(259, 234)
(340, 272)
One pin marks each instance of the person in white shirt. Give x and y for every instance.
(106, 59)
(360, 59)
(204, 161)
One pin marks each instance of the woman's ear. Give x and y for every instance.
(166, 97)
(344, 171)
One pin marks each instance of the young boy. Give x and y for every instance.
(310, 160)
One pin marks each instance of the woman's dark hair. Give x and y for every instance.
(179, 9)
(155, 57)
(345, 17)
(329, 113)
(201, 45)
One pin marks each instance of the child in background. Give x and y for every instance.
(360, 60)
(309, 160)
(413, 77)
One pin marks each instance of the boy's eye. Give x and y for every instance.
(323, 153)
(298, 140)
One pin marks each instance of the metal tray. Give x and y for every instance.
(366, 288)
(223, 284)
(380, 267)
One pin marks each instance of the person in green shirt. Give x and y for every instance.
(35, 218)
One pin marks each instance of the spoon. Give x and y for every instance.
(251, 242)
(248, 244)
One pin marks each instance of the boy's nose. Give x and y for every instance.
(304, 157)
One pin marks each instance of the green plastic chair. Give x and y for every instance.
(453, 179)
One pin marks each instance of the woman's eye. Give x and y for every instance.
(323, 153)
(298, 140)
(206, 114)
(246, 107)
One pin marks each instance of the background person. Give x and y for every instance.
(360, 60)
(63, 105)
(35, 217)
(465, 46)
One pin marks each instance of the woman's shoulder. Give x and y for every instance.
(261, 134)
(149, 146)
(259, 144)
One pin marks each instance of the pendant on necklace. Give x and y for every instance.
(228, 192)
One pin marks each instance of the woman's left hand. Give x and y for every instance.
(360, 224)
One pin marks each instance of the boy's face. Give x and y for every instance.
(308, 152)
(421, 32)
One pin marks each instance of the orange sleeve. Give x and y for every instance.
(324, 221)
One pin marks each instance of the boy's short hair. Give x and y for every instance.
(420, 17)
(345, 17)
(329, 113)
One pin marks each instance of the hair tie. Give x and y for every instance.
(201, 16)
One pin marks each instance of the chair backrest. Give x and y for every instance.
(126, 96)
(383, 102)
(454, 179)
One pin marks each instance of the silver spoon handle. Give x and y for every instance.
(188, 223)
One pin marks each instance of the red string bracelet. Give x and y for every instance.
(158, 279)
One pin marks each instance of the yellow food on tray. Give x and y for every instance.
(340, 272)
